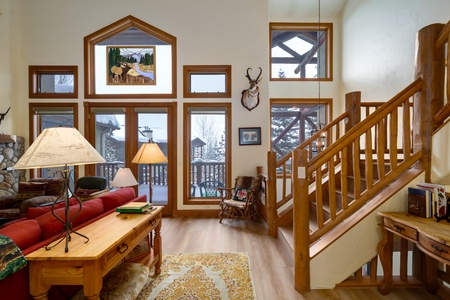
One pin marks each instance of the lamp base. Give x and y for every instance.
(67, 220)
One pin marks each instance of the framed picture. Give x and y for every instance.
(143, 248)
(250, 136)
(131, 65)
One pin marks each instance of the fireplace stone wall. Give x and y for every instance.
(9, 178)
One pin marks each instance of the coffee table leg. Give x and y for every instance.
(37, 289)
(93, 280)
(158, 247)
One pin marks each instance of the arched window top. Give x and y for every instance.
(130, 44)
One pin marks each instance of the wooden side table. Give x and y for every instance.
(431, 238)
(110, 240)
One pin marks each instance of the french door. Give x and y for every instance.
(119, 130)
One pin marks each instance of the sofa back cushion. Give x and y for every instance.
(34, 212)
(25, 233)
(51, 226)
(118, 197)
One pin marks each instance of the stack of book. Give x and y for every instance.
(427, 200)
(135, 208)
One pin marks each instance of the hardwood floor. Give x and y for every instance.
(271, 266)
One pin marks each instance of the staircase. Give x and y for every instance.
(326, 205)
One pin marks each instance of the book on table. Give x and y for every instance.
(135, 207)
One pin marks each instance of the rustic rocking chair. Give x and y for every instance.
(242, 200)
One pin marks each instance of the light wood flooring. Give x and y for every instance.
(271, 265)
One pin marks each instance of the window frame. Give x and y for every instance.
(207, 70)
(130, 111)
(327, 102)
(109, 31)
(34, 72)
(187, 199)
(327, 27)
(35, 125)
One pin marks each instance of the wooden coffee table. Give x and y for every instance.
(110, 240)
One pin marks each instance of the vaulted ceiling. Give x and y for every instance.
(305, 8)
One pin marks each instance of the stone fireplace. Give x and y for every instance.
(10, 152)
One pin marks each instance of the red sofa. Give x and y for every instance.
(41, 227)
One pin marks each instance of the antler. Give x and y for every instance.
(248, 76)
(257, 78)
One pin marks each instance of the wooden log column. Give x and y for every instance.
(430, 66)
(353, 108)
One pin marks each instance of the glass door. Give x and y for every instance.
(152, 127)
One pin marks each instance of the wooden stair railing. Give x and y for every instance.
(378, 131)
(375, 141)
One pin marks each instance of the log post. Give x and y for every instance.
(353, 108)
(271, 201)
(302, 276)
(430, 66)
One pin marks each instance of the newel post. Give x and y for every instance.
(430, 66)
(271, 209)
(302, 276)
(353, 109)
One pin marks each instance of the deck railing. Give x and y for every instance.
(201, 171)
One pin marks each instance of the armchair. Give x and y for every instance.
(88, 187)
(242, 200)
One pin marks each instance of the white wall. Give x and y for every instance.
(8, 48)
(378, 38)
(232, 32)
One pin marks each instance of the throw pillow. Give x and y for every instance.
(28, 190)
(13, 259)
(84, 193)
(240, 194)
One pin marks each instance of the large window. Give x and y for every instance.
(207, 144)
(48, 115)
(130, 59)
(301, 51)
(295, 120)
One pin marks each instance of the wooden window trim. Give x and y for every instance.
(35, 71)
(89, 57)
(206, 69)
(33, 132)
(187, 200)
(328, 27)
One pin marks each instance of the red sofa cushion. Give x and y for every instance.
(51, 226)
(25, 234)
(34, 212)
(117, 197)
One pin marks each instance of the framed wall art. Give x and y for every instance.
(131, 65)
(250, 136)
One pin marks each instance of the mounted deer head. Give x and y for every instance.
(2, 115)
(250, 96)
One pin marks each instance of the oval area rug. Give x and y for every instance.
(201, 276)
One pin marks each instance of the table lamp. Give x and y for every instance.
(149, 153)
(56, 147)
(124, 177)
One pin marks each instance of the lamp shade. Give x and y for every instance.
(149, 153)
(123, 178)
(59, 146)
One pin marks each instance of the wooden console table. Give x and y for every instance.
(430, 237)
(110, 240)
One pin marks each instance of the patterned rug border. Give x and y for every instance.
(160, 286)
